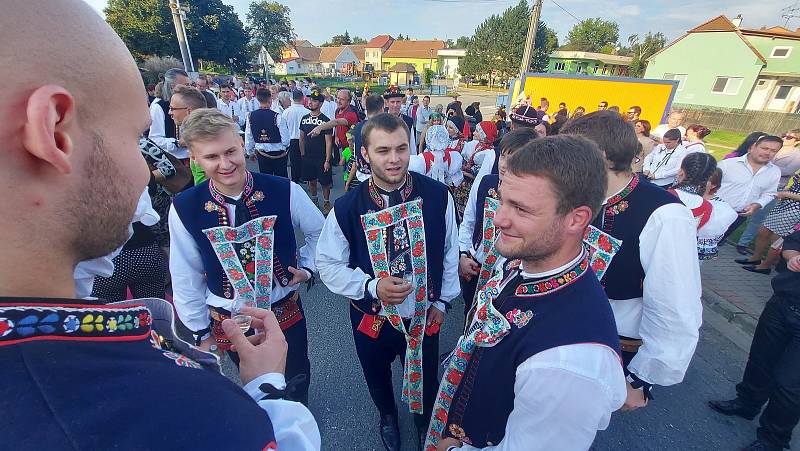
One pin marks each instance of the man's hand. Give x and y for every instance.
(262, 353)
(750, 209)
(468, 267)
(205, 345)
(635, 398)
(298, 276)
(327, 166)
(448, 442)
(393, 290)
(435, 316)
(794, 264)
(316, 131)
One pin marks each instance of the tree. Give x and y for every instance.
(215, 33)
(462, 42)
(269, 25)
(642, 50)
(341, 39)
(592, 35)
(546, 43)
(358, 40)
(399, 37)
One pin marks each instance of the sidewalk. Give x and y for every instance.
(738, 295)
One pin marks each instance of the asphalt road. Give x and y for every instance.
(677, 419)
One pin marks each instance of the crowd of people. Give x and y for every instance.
(575, 248)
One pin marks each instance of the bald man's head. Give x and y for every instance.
(72, 157)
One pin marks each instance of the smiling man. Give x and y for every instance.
(203, 291)
(403, 268)
(539, 367)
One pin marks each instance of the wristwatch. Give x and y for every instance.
(201, 335)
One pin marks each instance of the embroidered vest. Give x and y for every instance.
(361, 163)
(169, 125)
(487, 188)
(623, 217)
(264, 126)
(266, 195)
(364, 199)
(50, 348)
(568, 308)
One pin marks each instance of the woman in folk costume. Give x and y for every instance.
(475, 152)
(439, 161)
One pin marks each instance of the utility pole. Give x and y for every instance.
(530, 42)
(178, 15)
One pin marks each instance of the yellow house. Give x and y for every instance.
(421, 54)
(373, 51)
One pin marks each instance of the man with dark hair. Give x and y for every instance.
(476, 234)
(316, 152)
(211, 98)
(394, 103)
(658, 319)
(602, 106)
(163, 130)
(344, 120)
(538, 368)
(634, 113)
(266, 133)
(395, 261)
(292, 116)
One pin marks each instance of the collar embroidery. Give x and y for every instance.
(376, 197)
(619, 197)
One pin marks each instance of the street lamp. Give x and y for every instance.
(230, 60)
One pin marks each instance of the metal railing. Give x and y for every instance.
(739, 120)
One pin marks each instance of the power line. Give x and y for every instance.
(563, 9)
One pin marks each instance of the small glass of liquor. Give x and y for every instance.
(242, 320)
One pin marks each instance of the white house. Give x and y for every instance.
(449, 60)
(338, 60)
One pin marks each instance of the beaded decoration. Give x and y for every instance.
(375, 225)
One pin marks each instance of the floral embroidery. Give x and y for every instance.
(602, 248)
(378, 199)
(261, 232)
(555, 283)
(406, 216)
(490, 235)
(181, 360)
(518, 317)
(25, 322)
(624, 193)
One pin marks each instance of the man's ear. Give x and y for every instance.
(365, 154)
(50, 113)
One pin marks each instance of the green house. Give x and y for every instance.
(720, 64)
(588, 63)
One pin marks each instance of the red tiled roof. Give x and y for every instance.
(413, 49)
(380, 41)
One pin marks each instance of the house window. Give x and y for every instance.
(680, 78)
(761, 83)
(595, 69)
(783, 92)
(727, 85)
(780, 52)
(559, 65)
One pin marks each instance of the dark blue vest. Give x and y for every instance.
(192, 208)
(68, 383)
(576, 313)
(488, 182)
(361, 163)
(264, 126)
(356, 202)
(624, 217)
(496, 164)
(169, 124)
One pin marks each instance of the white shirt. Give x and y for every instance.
(741, 187)
(562, 396)
(449, 174)
(250, 144)
(423, 115)
(722, 216)
(231, 109)
(158, 135)
(696, 146)
(664, 164)
(333, 253)
(277, 107)
(467, 225)
(329, 109)
(248, 106)
(661, 129)
(668, 317)
(292, 116)
(191, 296)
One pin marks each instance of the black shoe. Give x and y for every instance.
(758, 445)
(754, 269)
(734, 407)
(390, 432)
(743, 250)
(747, 261)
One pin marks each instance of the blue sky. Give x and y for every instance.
(317, 20)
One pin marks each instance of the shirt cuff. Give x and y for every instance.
(441, 306)
(277, 380)
(372, 287)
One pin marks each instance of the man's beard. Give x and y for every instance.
(381, 175)
(541, 248)
(100, 212)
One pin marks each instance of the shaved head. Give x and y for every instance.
(71, 158)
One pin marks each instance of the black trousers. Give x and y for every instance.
(772, 374)
(273, 166)
(296, 357)
(295, 160)
(739, 220)
(376, 357)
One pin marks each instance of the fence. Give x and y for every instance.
(744, 121)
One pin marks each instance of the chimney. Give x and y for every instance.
(737, 21)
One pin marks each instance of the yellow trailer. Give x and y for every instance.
(653, 96)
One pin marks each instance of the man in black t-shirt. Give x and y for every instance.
(316, 151)
(772, 375)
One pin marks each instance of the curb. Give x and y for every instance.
(731, 313)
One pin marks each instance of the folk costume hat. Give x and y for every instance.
(437, 138)
(487, 130)
(392, 92)
(526, 116)
(317, 95)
